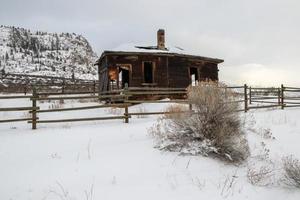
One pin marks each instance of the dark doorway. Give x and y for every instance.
(194, 76)
(123, 77)
(148, 72)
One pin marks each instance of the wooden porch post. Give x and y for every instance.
(126, 104)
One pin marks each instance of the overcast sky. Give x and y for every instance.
(258, 39)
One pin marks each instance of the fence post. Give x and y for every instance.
(33, 114)
(63, 87)
(94, 87)
(126, 105)
(245, 97)
(278, 94)
(25, 89)
(282, 96)
(191, 107)
(250, 95)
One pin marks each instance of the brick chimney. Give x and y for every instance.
(161, 39)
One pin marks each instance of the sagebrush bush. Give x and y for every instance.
(214, 128)
(291, 168)
(262, 176)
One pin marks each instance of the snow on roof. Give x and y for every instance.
(130, 47)
(136, 48)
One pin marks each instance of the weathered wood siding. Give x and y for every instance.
(102, 74)
(178, 72)
(209, 71)
(161, 72)
(170, 71)
(137, 75)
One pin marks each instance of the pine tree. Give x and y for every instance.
(57, 42)
(3, 71)
(52, 45)
(6, 56)
(73, 75)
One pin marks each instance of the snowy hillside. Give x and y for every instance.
(114, 160)
(40, 53)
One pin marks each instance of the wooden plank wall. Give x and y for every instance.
(170, 71)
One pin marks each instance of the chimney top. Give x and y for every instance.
(161, 39)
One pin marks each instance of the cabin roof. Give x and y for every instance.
(136, 49)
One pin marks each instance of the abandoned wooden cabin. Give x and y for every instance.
(153, 66)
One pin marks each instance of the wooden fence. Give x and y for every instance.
(23, 83)
(281, 97)
(63, 87)
(249, 98)
(14, 76)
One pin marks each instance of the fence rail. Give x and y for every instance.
(59, 88)
(14, 120)
(82, 108)
(5, 75)
(76, 119)
(249, 98)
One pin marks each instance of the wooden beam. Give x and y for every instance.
(268, 106)
(79, 119)
(16, 97)
(82, 97)
(83, 108)
(156, 101)
(18, 109)
(157, 113)
(14, 120)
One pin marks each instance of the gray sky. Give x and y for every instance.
(258, 39)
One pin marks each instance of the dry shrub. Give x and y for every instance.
(115, 111)
(175, 111)
(26, 115)
(261, 152)
(56, 105)
(262, 176)
(44, 101)
(88, 100)
(141, 109)
(214, 128)
(291, 168)
(228, 185)
(264, 133)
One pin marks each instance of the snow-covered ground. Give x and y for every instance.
(114, 160)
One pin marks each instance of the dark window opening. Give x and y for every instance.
(194, 76)
(123, 77)
(148, 72)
